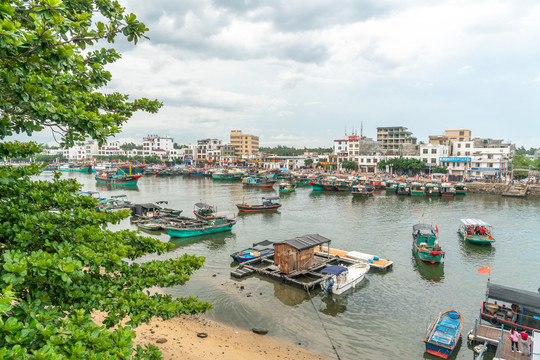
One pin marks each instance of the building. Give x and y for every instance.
(432, 153)
(155, 145)
(397, 140)
(458, 135)
(244, 144)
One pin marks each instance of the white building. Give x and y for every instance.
(431, 154)
(151, 143)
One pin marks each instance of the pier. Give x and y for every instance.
(498, 337)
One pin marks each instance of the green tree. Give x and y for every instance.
(440, 170)
(59, 262)
(130, 146)
(521, 162)
(308, 162)
(349, 165)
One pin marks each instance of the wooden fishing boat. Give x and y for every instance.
(342, 185)
(149, 225)
(444, 334)
(182, 227)
(115, 179)
(328, 184)
(476, 231)
(524, 314)
(417, 189)
(362, 190)
(227, 176)
(432, 189)
(204, 211)
(447, 190)
(258, 182)
(426, 244)
(390, 186)
(403, 189)
(286, 187)
(75, 168)
(251, 253)
(342, 278)
(316, 185)
(460, 188)
(269, 203)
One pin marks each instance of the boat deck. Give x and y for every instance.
(381, 264)
(308, 279)
(492, 335)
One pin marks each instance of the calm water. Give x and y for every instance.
(387, 316)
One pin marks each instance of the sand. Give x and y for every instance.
(177, 338)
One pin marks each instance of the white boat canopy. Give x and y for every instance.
(474, 222)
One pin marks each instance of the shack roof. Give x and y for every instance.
(515, 296)
(334, 270)
(305, 242)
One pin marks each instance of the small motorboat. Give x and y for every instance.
(342, 278)
(269, 203)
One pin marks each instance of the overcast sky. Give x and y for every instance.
(301, 73)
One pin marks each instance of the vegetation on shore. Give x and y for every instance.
(59, 262)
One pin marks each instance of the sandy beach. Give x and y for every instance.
(184, 338)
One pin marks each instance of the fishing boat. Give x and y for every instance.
(426, 244)
(476, 231)
(460, 188)
(417, 189)
(204, 211)
(390, 186)
(253, 252)
(286, 187)
(227, 176)
(343, 185)
(316, 185)
(362, 190)
(432, 189)
(444, 334)
(523, 313)
(114, 203)
(75, 168)
(116, 179)
(403, 189)
(447, 190)
(149, 225)
(258, 182)
(328, 184)
(269, 203)
(182, 227)
(342, 278)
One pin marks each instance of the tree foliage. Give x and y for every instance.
(281, 150)
(59, 262)
(521, 162)
(349, 165)
(131, 146)
(403, 165)
(440, 170)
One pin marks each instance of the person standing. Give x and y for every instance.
(514, 337)
(525, 346)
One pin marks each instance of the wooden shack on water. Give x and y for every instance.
(298, 254)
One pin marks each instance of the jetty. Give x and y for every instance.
(374, 261)
(498, 337)
(516, 190)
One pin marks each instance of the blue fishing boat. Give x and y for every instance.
(250, 254)
(184, 227)
(444, 334)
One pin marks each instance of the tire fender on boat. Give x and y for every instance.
(494, 320)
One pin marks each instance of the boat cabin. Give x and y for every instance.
(298, 253)
(203, 209)
(475, 227)
(270, 200)
(425, 235)
(145, 210)
(519, 308)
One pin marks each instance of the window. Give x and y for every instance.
(368, 160)
(490, 156)
(433, 160)
(458, 153)
(425, 151)
(467, 153)
(461, 139)
(467, 145)
(490, 165)
(458, 145)
(462, 133)
(424, 160)
(433, 151)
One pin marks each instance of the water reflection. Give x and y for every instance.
(335, 304)
(212, 241)
(289, 295)
(475, 253)
(428, 271)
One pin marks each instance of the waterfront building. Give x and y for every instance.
(151, 143)
(458, 135)
(244, 144)
(397, 140)
(431, 153)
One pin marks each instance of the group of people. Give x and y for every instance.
(477, 230)
(516, 336)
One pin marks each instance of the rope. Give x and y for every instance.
(324, 328)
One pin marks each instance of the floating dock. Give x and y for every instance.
(493, 336)
(374, 261)
(308, 279)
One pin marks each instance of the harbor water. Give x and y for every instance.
(386, 316)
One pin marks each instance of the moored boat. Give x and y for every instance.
(342, 185)
(316, 185)
(227, 176)
(432, 189)
(269, 203)
(476, 231)
(204, 211)
(426, 244)
(403, 189)
(75, 168)
(115, 179)
(444, 334)
(342, 278)
(460, 188)
(149, 225)
(362, 190)
(253, 252)
(417, 189)
(182, 228)
(447, 190)
(258, 182)
(286, 187)
(390, 186)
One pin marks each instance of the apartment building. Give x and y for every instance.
(458, 135)
(397, 140)
(153, 144)
(244, 144)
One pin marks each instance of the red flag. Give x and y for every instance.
(485, 270)
(437, 228)
(422, 214)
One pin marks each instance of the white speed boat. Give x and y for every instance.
(342, 278)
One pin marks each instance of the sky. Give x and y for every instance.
(303, 73)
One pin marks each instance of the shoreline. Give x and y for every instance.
(177, 338)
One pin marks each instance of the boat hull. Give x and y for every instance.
(477, 239)
(316, 187)
(428, 256)
(189, 232)
(444, 334)
(83, 169)
(256, 208)
(251, 254)
(125, 181)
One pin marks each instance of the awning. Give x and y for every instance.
(334, 270)
(474, 222)
(202, 205)
(514, 296)
(263, 243)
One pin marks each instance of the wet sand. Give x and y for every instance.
(184, 338)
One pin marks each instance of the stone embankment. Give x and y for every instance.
(503, 189)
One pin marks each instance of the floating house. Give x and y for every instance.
(299, 253)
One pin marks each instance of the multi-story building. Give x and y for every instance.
(397, 140)
(431, 153)
(458, 135)
(244, 144)
(151, 143)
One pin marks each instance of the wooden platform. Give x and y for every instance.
(492, 335)
(381, 264)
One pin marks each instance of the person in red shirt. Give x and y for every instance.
(525, 346)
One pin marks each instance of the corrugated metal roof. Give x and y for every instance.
(305, 242)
